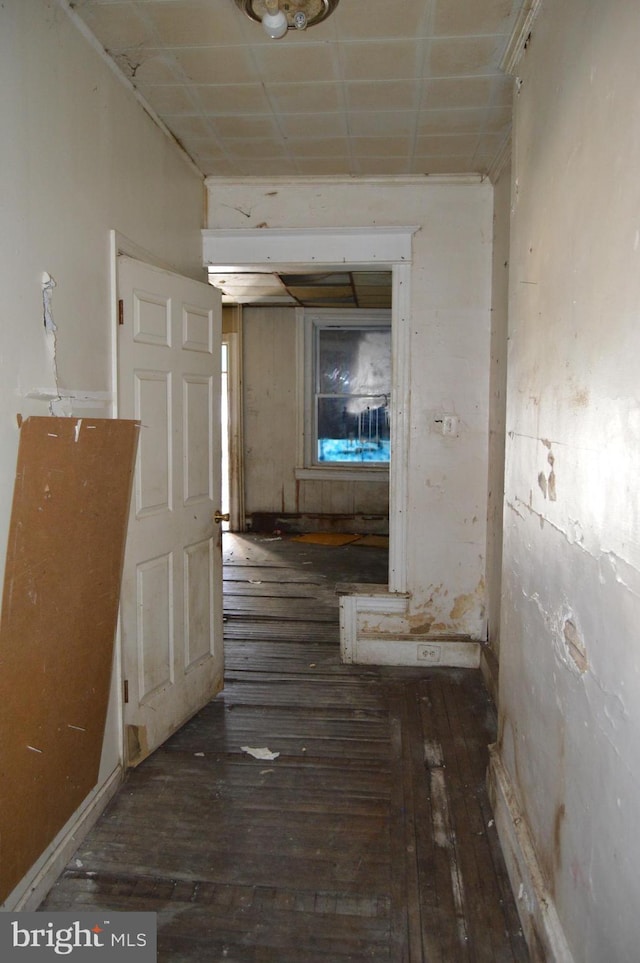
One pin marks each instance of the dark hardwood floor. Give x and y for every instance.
(368, 838)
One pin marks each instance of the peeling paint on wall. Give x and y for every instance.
(48, 284)
(466, 603)
(542, 483)
(551, 480)
(575, 645)
(67, 398)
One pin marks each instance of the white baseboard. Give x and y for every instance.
(538, 915)
(28, 895)
(382, 644)
(424, 652)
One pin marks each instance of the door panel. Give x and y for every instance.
(169, 379)
(199, 586)
(154, 469)
(197, 438)
(154, 584)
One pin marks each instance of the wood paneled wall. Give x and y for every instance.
(273, 495)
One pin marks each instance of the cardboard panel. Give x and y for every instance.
(59, 613)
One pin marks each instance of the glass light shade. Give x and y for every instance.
(275, 24)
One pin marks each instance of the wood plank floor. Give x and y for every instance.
(369, 838)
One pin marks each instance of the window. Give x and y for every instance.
(347, 389)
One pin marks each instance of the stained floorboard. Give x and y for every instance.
(369, 837)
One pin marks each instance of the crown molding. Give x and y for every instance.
(501, 160)
(517, 43)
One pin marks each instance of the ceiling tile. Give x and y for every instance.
(381, 95)
(457, 92)
(248, 284)
(385, 123)
(296, 63)
(318, 278)
(324, 166)
(313, 125)
(188, 126)
(232, 98)
(498, 120)
(502, 91)
(168, 99)
(379, 166)
(257, 166)
(216, 65)
(451, 145)
(208, 147)
(323, 291)
(468, 55)
(456, 17)
(490, 144)
(246, 126)
(380, 19)
(371, 279)
(459, 121)
(214, 166)
(319, 147)
(178, 23)
(300, 97)
(381, 146)
(389, 60)
(258, 147)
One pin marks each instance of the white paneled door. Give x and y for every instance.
(171, 611)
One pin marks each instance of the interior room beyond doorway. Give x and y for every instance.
(277, 473)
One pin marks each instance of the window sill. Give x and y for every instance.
(343, 474)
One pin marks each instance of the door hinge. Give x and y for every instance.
(121, 311)
(126, 691)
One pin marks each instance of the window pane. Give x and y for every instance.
(354, 361)
(353, 429)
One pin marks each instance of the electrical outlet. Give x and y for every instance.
(429, 653)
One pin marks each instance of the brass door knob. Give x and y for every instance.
(219, 517)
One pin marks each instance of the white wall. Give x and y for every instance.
(450, 329)
(570, 655)
(80, 157)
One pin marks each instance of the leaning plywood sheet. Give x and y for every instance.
(59, 612)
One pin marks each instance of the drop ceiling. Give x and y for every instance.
(382, 87)
(344, 289)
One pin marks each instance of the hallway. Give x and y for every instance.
(369, 837)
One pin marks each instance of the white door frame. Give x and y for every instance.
(234, 383)
(372, 248)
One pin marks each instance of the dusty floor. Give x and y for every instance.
(369, 836)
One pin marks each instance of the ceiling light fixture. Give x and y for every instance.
(278, 16)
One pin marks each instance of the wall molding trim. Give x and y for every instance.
(500, 161)
(517, 43)
(363, 604)
(240, 249)
(32, 890)
(540, 921)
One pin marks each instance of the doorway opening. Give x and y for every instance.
(379, 248)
